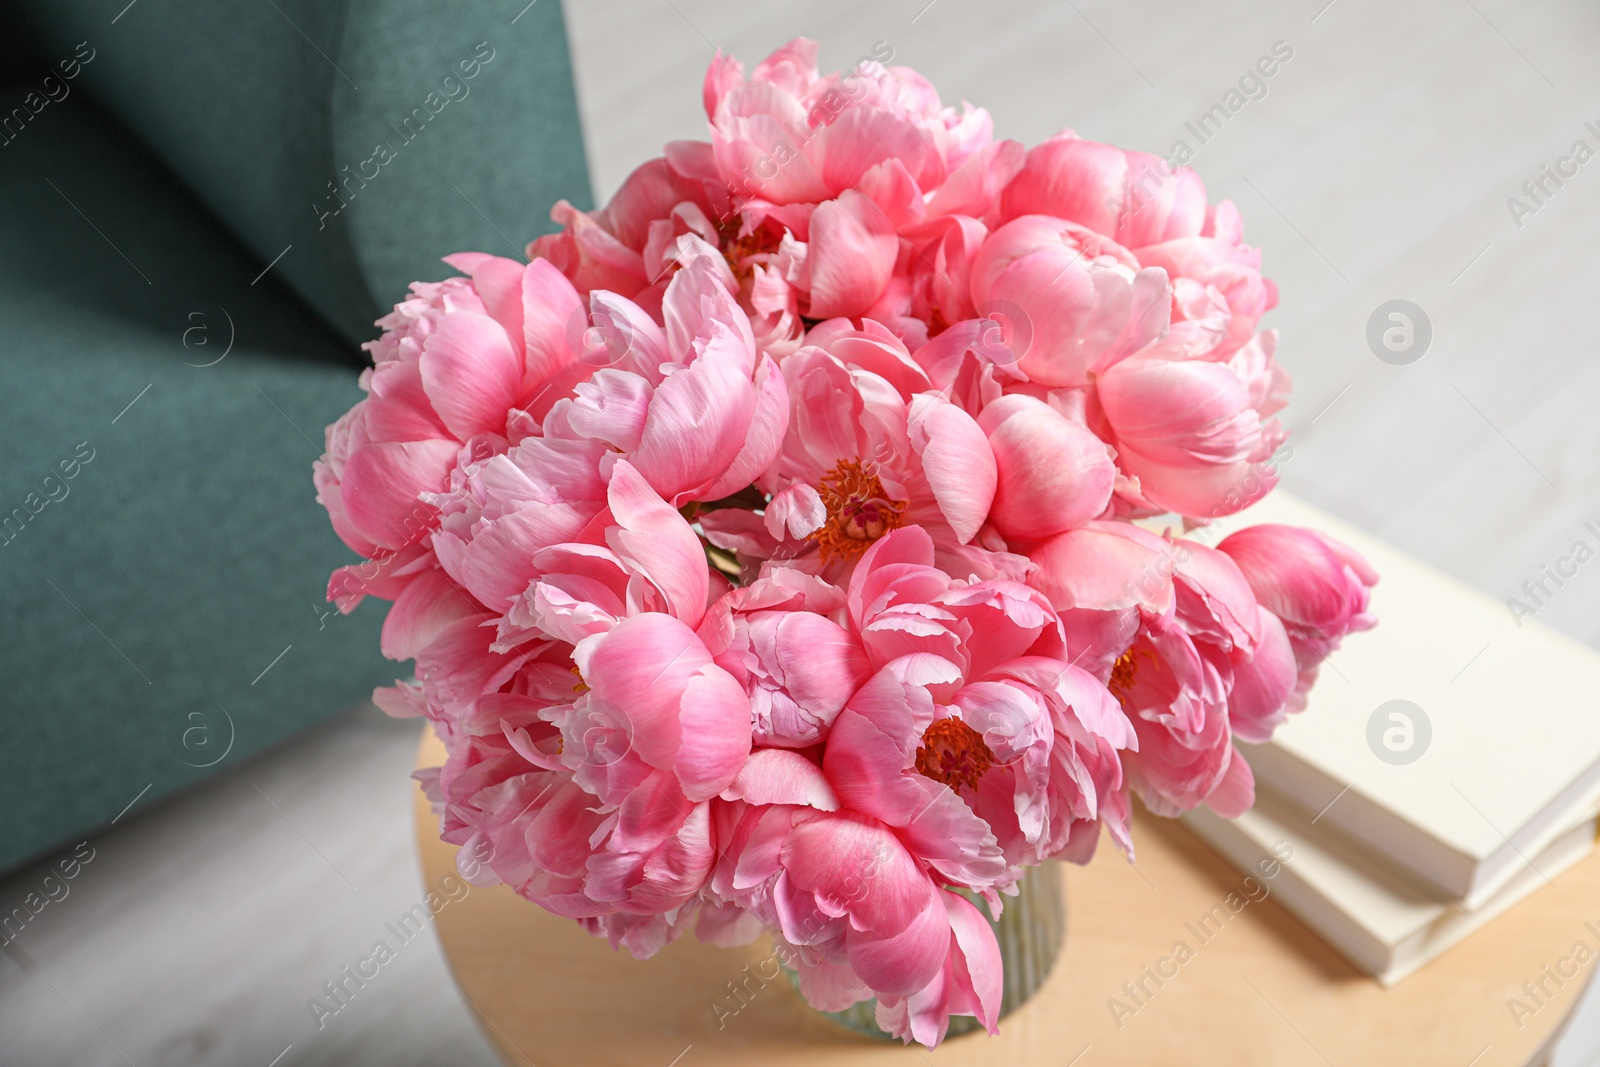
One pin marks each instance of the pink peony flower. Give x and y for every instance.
(627, 727)
(858, 917)
(766, 546)
(455, 359)
(1131, 197)
(974, 728)
(1317, 586)
(785, 135)
(971, 751)
(1193, 659)
(1081, 302)
(605, 249)
(1158, 214)
(869, 449)
(455, 368)
(1187, 435)
(693, 409)
(1070, 317)
(824, 194)
(1054, 474)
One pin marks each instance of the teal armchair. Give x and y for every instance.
(205, 208)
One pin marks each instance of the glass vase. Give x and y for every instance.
(1030, 932)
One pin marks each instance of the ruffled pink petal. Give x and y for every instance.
(1130, 196)
(957, 461)
(1070, 178)
(703, 318)
(696, 428)
(1262, 685)
(724, 74)
(498, 281)
(1180, 412)
(495, 563)
(651, 537)
(1317, 586)
(863, 137)
(782, 776)
(552, 319)
(1215, 601)
(471, 372)
(612, 407)
(1236, 793)
(850, 255)
(1105, 566)
(978, 973)
(830, 986)
(623, 336)
(860, 864)
(1054, 474)
(685, 713)
(763, 436)
(908, 959)
(383, 484)
(426, 606)
(795, 512)
(871, 347)
(1079, 315)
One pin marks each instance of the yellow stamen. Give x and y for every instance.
(859, 511)
(737, 250)
(1125, 669)
(953, 753)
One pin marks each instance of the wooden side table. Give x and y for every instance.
(1259, 990)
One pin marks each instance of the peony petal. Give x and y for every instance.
(1054, 474)
(471, 372)
(1180, 413)
(905, 960)
(653, 538)
(702, 317)
(498, 281)
(1259, 699)
(763, 437)
(1105, 566)
(428, 604)
(782, 776)
(552, 319)
(979, 971)
(684, 713)
(1236, 793)
(957, 461)
(850, 255)
(611, 406)
(383, 484)
(716, 733)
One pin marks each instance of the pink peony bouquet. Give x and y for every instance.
(777, 547)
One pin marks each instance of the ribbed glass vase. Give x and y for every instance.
(1030, 931)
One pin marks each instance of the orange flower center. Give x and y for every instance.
(859, 511)
(1125, 670)
(737, 250)
(953, 753)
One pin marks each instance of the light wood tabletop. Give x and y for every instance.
(1255, 989)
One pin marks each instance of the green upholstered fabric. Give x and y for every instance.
(277, 112)
(18, 56)
(142, 604)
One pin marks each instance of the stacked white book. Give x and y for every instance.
(1448, 766)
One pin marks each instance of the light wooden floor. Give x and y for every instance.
(1376, 167)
